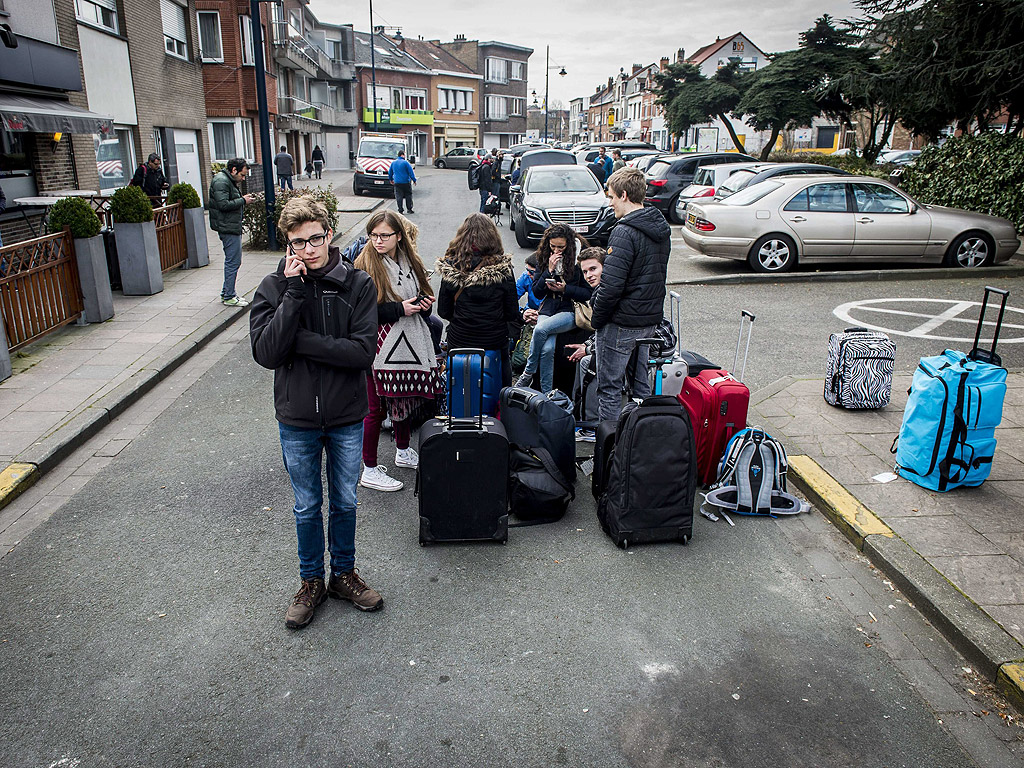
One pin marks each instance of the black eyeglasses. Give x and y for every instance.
(382, 236)
(299, 244)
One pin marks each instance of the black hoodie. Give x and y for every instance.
(319, 334)
(632, 289)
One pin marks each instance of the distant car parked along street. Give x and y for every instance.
(460, 158)
(779, 222)
(667, 176)
(559, 194)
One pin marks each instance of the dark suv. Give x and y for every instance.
(668, 176)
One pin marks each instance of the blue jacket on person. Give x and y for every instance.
(525, 285)
(401, 172)
(608, 165)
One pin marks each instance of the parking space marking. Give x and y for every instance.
(853, 312)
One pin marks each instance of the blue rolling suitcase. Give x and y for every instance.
(464, 382)
(947, 438)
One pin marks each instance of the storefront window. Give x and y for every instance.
(115, 159)
(14, 155)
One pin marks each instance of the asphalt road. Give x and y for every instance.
(142, 625)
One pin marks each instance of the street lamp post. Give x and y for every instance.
(264, 118)
(547, 73)
(373, 71)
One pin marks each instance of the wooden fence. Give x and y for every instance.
(39, 287)
(170, 235)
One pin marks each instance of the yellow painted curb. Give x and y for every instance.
(15, 479)
(1011, 682)
(835, 502)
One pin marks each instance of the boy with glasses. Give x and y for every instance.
(314, 322)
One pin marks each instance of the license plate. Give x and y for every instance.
(691, 218)
(580, 228)
(378, 182)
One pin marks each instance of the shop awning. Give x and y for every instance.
(38, 114)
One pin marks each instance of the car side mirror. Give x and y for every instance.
(914, 207)
(515, 188)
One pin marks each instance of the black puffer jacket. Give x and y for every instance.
(553, 302)
(632, 289)
(320, 336)
(489, 302)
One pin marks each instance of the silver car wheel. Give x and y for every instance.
(774, 255)
(973, 252)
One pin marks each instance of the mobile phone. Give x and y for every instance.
(421, 297)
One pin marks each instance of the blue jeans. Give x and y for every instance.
(542, 348)
(302, 449)
(614, 343)
(232, 261)
(484, 194)
(285, 178)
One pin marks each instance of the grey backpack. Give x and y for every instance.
(752, 477)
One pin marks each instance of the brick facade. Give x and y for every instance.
(83, 145)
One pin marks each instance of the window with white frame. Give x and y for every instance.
(245, 30)
(223, 137)
(497, 108)
(415, 99)
(497, 70)
(517, 107)
(175, 29)
(210, 47)
(454, 100)
(102, 13)
(516, 70)
(248, 151)
(383, 96)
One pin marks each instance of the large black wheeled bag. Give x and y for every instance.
(462, 479)
(604, 442)
(652, 476)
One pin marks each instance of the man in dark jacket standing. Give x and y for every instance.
(486, 175)
(314, 322)
(630, 301)
(402, 177)
(226, 206)
(285, 165)
(150, 177)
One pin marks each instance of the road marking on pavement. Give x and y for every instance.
(854, 312)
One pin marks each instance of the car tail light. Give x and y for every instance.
(703, 225)
(657, 182)
(709, 192)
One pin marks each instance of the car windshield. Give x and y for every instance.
(752, 194)
(382, 149)
(569, 180)
(736, 182)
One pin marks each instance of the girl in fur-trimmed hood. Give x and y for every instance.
(478, 290)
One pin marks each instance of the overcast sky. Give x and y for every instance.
(592, 39)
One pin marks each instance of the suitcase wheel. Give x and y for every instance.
(684, 540)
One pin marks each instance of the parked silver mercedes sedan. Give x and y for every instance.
(779, 222)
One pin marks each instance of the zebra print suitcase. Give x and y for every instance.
(860, 364)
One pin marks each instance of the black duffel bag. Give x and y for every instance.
(538, 493)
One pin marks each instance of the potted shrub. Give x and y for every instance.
(195, 223)
(76, 214)
(138, 253)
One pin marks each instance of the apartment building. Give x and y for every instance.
(401, 86)
(579, 130)
(455, 91)
(315, 67)
(601, 111)
(504, 70)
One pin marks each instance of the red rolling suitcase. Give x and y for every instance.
(717, 403)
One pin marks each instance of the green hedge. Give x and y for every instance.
(182, 192)
(129, 205)
(254, 218)
(75, 213)
(983, 173)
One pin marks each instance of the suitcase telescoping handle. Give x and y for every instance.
(466, 423)
(744, 315)
(989, 355)
(657, 362)
(675, 308)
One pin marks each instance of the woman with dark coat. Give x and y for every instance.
(557, 284)
(478, 290)
(318, 160)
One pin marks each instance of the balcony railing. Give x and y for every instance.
(292, 106)
(291, 47)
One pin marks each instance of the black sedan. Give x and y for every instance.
(560, 194)
(755, 174)
(668, 176)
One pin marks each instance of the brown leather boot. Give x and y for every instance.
(310, 595)
(350, 586)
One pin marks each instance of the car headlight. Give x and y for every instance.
(606, 212)
(533, 213)
(359, 168)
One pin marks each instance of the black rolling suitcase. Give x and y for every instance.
(462, 479)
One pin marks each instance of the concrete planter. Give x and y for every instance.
(139, 258)
(92, 274)
(195, 238)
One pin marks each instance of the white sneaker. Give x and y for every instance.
(407, 457)
(377, 479)
(234, 301)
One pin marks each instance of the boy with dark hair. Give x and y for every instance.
(314, 322)
(227, 203)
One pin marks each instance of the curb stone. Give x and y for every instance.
(969, 629)
(15, 479)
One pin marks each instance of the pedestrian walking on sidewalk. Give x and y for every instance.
(314, 322)
(405, 370)
(318, 160)
(285, 165)
(486, 175)
(227, 204)
(402, 177)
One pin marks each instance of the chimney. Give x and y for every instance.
(663, 64)
(680, 56)
(460, 38)
(636, 68)
(611, 82)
